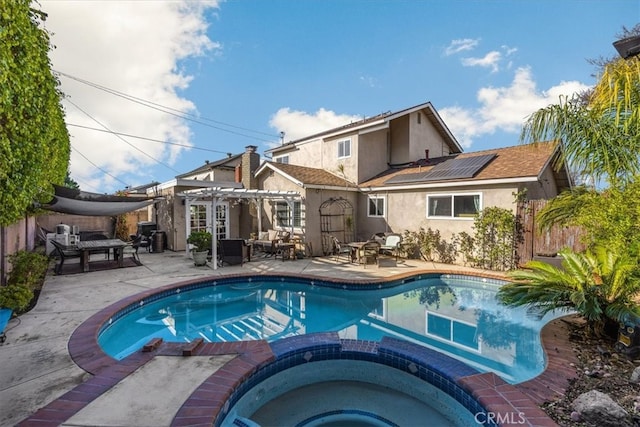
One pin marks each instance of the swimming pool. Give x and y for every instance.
(457, 315)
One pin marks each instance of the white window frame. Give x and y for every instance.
(453, 213)
(298, 218)
(283, 159)
(451, 339)
(377, 198)
(344, 145)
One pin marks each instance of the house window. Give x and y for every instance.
(454, 331)
(419, 118)
(287, 219)
(282, 159)
(344, 148)
(376, 206)
(454, 205)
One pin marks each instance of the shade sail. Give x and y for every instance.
(77, 202)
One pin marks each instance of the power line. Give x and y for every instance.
(122, 139)
(147, 139)
(172, 111)
(98, 167)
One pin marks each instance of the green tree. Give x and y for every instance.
(599, 132)
(34, 142)
(70, 182)
(601, 285)
(609, 217)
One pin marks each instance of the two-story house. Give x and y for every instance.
(399, 171)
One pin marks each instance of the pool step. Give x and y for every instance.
(188, 349)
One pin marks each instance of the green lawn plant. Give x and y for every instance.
(602, 285)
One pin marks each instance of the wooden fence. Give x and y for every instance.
(536, 244)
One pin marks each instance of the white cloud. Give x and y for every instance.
(504, 108)
(490, 60)
(460, 45)
(300, 124)
(134, 48)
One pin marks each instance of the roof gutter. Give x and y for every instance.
(452, 184)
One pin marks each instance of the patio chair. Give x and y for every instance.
(233, 251)
(132, 248)
(369, 253)
(63, 252)
(340, 248)
(391, 245)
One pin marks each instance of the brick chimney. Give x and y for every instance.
(250, 163)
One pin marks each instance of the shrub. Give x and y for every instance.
(15, 297)
(602, 285)
(28, 269)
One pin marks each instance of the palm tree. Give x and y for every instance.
(599, 131)
(599, 134)
(601, 285)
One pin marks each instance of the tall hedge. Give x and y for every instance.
(34, 142)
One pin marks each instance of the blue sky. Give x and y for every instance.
(251, 69)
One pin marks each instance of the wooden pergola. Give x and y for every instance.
(217, 194)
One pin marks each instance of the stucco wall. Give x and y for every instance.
(311, 201)
(374, 148)
(423, 136)
(408, 211)
(307, 154)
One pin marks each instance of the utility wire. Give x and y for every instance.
(147, 139)
(121, 138)
(98, 167)
(168, 110)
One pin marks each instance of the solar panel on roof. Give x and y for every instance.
(457, 168)
(409, 177)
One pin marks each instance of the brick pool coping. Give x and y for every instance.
(209, 399)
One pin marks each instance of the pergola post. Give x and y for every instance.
(214, 231)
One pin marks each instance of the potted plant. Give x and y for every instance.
(13, 299)
(201, 241)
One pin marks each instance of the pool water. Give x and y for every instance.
(347, 392)
(456, 315)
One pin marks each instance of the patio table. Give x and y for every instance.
(86, 246)
(355, 250)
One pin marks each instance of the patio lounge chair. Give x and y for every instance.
(63, 252)
(391, 245)
(233, 251)
(369, 253)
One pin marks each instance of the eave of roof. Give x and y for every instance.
(377, 121)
